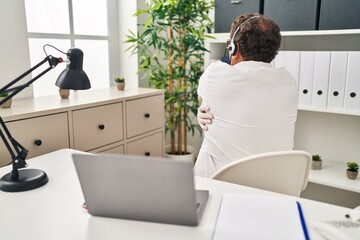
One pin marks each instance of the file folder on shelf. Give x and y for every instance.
(321, 80)
(306, 78)
(337, 79)
(352, 92)
(280, 59)
(289, 60)
(293, 63)
(245, 216)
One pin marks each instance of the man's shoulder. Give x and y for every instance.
(217, 65)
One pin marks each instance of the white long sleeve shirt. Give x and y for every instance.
(255, 110)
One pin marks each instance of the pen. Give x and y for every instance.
(302, 219)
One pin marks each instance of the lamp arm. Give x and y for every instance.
(53, 62)
(18, 158)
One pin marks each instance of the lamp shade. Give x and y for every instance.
(74, 77)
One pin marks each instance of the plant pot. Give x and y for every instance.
(316, 165)
(6, 104)
(64, 93)
(120, 86)
(190, 156)
(351, 174)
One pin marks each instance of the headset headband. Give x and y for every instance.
(233, 46)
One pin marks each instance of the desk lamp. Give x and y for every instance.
(73, 77)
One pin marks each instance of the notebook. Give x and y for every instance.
(246, 216)
(140, 188)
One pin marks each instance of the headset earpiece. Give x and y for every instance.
(232, 46)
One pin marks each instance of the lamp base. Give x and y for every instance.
(28, 179)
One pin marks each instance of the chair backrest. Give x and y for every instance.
(285, 172)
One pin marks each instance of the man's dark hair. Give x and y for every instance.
(258, 37)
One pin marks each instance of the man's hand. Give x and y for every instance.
(204, 117)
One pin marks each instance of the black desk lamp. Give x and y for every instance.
(73, 77)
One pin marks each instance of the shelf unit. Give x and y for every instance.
(324, 40)
(333, 134)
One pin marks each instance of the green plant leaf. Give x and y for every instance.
(171, 56)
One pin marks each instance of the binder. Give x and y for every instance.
(337, 79)
(280, 59)
(290, 60)
(246, 216)
(293, 63)
(306, 78)
(352, 92)
(321, 79)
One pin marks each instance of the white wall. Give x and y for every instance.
(14, 47)
(128, 62)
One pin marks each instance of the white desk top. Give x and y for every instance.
(54, 211)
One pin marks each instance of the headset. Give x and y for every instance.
(233, 46)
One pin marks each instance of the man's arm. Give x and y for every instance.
(204, 116)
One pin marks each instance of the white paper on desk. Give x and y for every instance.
(252, 217)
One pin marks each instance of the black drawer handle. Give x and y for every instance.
(319, 92)
(147, 115)
(147, 153)
(352, 94)
(101, 126)
(38, 142)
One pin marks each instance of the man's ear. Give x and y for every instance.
(237, 57)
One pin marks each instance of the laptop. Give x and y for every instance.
(140, 188)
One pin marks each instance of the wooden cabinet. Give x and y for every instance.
(101, 120)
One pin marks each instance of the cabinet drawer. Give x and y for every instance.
(114, 150)
(97, 126)
(148, 146)
(39, 135)
(144, 115)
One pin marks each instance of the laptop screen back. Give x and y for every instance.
(138, 188)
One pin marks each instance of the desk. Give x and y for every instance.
(54, 212)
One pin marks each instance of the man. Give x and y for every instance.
(253, 105)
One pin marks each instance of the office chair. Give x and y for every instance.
(284, 172)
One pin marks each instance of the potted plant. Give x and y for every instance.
(6, 104)
(352, 170)
(171, 51)
(64, 93)
(316, 162)
(120, 83)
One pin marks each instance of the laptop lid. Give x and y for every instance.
(140, 188)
